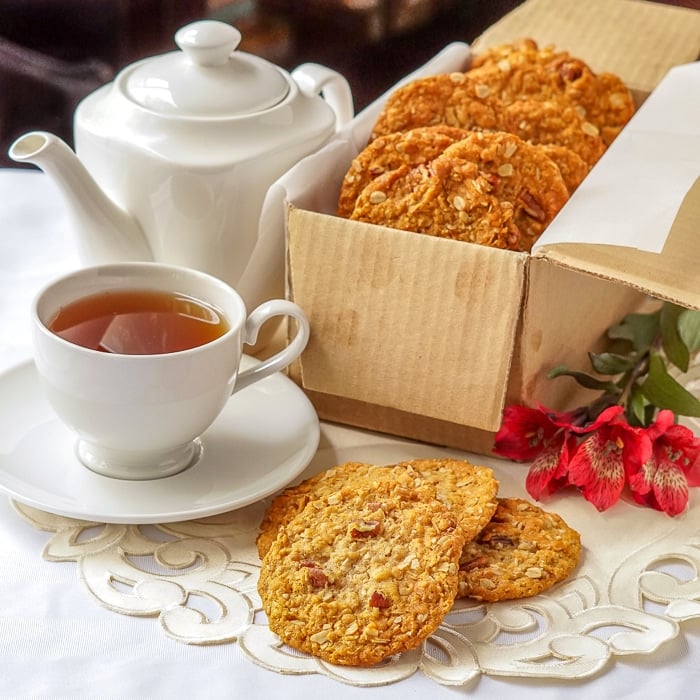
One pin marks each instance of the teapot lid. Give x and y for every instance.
(206, 78)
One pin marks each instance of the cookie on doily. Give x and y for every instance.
(523, 551)
(362, 573)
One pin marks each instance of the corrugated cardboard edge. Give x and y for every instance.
(655, 37)
(635, 268)
(603, 302)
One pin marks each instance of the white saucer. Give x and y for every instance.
(264, 438)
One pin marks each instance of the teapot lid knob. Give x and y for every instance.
(208, 42)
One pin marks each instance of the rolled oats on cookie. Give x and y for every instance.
(553, 122)
(572, 167)
(446, 198)
(523, 70)
(490, 188)
(519, 173)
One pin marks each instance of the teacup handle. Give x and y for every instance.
(280, 360)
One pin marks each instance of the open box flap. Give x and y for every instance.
(653, 37)
(636, 217)
(672, 275)
(375, 293)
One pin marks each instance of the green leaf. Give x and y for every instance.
(662, 390)
(689, 329)
(610, 363)
(636, 407)
(675, 349)
(585, 380)
(638, 329)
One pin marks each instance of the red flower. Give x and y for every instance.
(612, 450)
(526, 432)
(662, 480)
(658, 463)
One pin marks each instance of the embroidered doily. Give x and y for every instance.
(637, 581)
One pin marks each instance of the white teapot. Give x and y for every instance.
(175, 156)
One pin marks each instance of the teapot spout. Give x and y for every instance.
(106, 233)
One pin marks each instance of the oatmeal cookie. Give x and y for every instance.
(445, 197)
(292, 500)
(518, 173)
(508, 83)
(362, 574)
(553, 121)
(491, 188)
(523, 70)
(468, 490)
(450, 98)
(523, 551)
(389, 152)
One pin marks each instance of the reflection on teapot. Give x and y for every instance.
(175, 156)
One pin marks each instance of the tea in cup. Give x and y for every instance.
(138, 359)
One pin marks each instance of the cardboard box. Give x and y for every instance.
(430, 338)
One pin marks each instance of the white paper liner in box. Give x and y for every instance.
(632, 195)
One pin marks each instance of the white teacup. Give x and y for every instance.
(138, 416)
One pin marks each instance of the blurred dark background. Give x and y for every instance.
(54, 52)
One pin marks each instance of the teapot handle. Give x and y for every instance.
(314, 79)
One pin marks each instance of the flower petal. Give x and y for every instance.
(549, 471)
(664, 420)
(636, 447)
(562, 419)
(641, 482)
(605, 417)
(524, 433)
(660, 484)
(597, 469)
(670, 488)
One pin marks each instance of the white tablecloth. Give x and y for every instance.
(56, 641)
